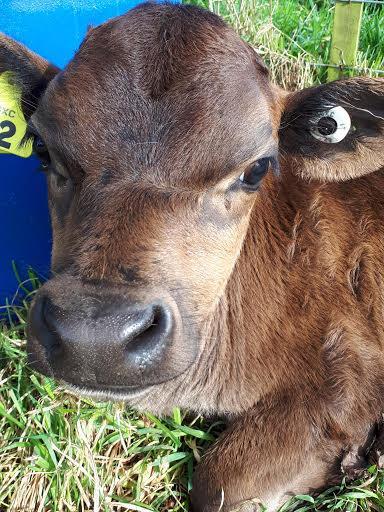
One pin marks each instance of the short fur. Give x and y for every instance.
(278, 294)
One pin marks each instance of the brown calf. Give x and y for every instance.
(179, 280)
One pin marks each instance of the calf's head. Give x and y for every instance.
(154, 139)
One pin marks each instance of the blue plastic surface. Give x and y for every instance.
(54, 29)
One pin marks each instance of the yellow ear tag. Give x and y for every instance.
(12, 121)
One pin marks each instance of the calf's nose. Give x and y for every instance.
(102, 345)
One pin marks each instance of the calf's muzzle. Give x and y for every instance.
(106, 343)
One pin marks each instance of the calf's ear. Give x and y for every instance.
(29, 72)
(334, 132)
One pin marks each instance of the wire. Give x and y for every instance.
(347, 68)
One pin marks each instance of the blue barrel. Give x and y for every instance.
(54, 29)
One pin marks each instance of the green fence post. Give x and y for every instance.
(345, 36)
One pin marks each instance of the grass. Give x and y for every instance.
(293, 36)
(62, 453)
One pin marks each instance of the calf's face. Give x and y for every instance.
(154, 140)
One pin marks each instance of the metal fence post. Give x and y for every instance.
(345, 36)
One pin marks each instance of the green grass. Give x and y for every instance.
(293, 36)
(62, 453)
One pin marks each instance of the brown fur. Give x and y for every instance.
(278, 295)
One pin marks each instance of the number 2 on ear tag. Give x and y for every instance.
(12, 121)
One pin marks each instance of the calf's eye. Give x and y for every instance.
(41, 151)
(252, 176)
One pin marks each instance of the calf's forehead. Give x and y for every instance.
(167, 92)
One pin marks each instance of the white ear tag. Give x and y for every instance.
(331, 126)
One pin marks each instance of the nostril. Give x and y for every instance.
(50, 338)
(149, 341)
(152, 324)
